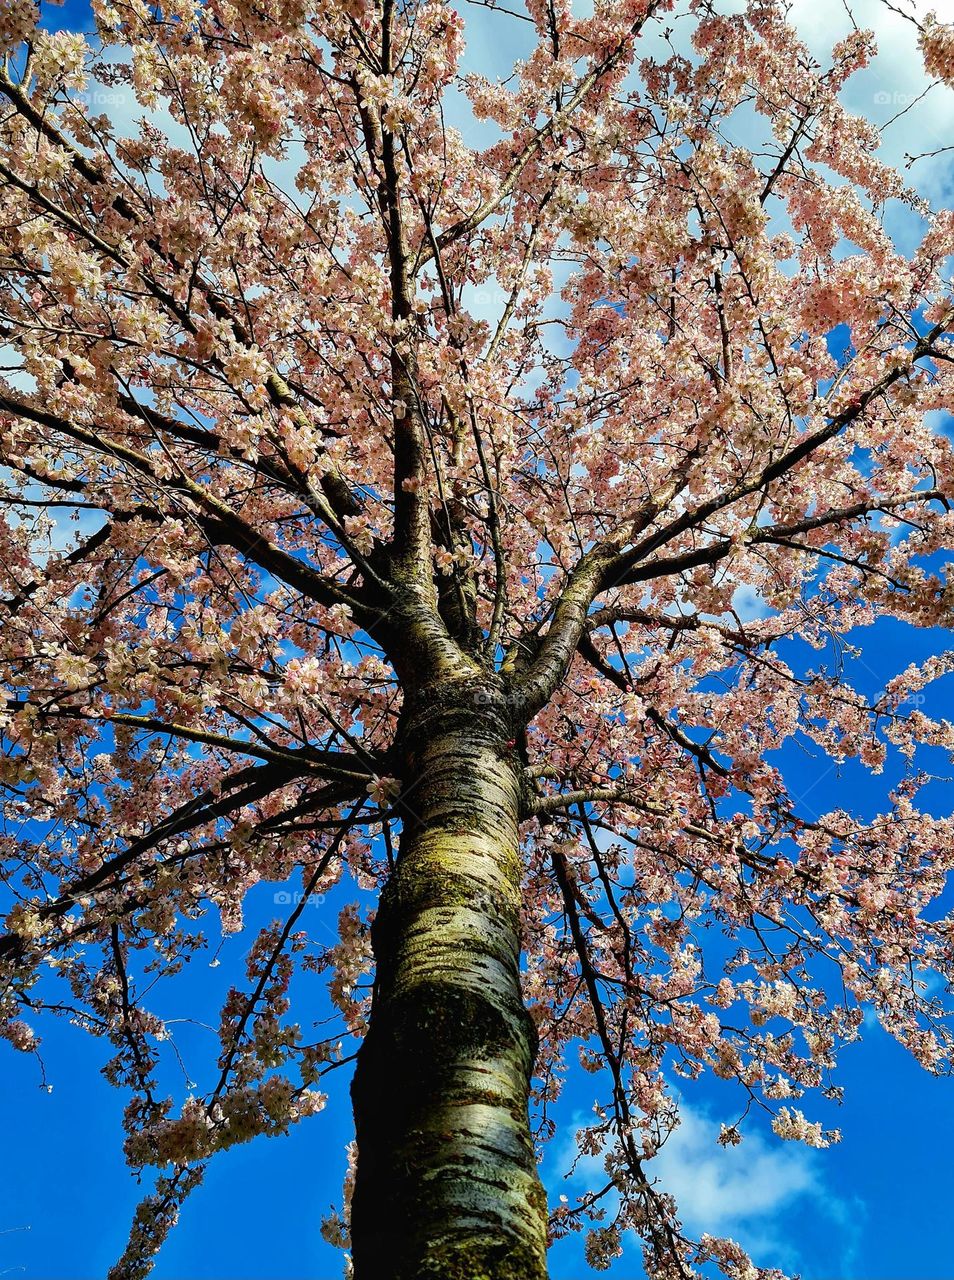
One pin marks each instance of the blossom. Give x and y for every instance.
(793, 1126)
(472, 527)
(384, 791)
(937, 46)
(17, 20)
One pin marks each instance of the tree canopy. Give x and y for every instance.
(339, 378)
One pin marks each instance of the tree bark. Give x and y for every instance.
(446, 1182)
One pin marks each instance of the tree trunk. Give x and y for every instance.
(446, 1183)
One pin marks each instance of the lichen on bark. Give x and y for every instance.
(447, 1181)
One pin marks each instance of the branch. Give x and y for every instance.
(618, 575)
(243, 787)
(483, 211)
(776, 533)
(335, 488)
(307, 759)
(219, 523)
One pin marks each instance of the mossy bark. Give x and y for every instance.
(446, 1182)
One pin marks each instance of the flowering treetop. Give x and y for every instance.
(270, 473)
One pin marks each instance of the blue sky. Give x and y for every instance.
(873, 1208)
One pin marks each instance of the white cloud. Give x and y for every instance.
(722, 1190)
(744, 1192)
(748, 605)
(892, 83)
(888, 92)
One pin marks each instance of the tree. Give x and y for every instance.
(362, 584)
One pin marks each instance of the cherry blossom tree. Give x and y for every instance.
(320, 569)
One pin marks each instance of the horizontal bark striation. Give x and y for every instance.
(447, 1183)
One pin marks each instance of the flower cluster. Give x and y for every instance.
(592, 433)
(937, 47)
